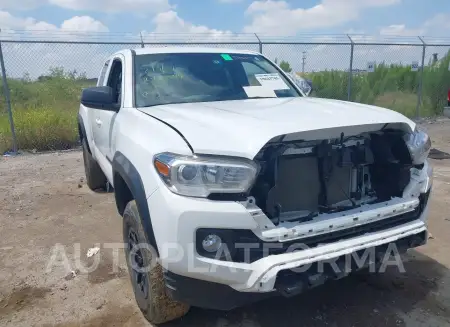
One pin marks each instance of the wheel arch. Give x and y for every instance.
(82, 132)
(128, 185)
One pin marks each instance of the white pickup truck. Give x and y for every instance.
(230, 181)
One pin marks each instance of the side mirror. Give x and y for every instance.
(99, 97)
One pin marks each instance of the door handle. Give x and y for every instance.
(98, 122)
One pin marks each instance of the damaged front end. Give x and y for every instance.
(319, 189)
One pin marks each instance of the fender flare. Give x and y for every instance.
(82, 131)
(122, 166)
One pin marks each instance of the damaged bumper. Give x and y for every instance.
(281, 280)
(258, 270)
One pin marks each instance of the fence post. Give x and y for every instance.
(142, 40)
(8, 101)
(260, 43)
(419, 93)
(350, 71)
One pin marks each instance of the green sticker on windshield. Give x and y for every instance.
(226, 57)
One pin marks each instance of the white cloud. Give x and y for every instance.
(10, 22)
(400, 30)
(170, 22)
(262, 6)
(83, 24)
(29, 26)
(437, 25)
(276, 17)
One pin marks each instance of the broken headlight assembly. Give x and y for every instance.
(200, 176)
(419, 145)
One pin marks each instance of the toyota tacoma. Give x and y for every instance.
(231, 181)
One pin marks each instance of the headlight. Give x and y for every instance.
(201, 176)
(419, 145)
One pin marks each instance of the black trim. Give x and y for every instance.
(133, 77)
(290, 283)
(82, 132)
(228, 196)
(176, 130)
(122, 166)
(209, 295)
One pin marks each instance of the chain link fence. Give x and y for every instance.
(42, 80)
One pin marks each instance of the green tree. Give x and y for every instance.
(285, 66)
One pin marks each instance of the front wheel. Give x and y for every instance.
(146, 273)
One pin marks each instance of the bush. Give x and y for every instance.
(44, 111)
(388, 82)
(40, 129)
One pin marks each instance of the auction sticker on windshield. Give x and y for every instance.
(272, 81)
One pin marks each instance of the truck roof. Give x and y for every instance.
(178, 49)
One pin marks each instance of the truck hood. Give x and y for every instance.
(242, 127)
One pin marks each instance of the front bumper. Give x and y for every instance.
(210, 295)
(177, 219)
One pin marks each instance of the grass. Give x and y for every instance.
(45, 110)
(404, 103)
(391, 86)
(43, 129)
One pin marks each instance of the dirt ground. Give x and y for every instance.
(44, 202)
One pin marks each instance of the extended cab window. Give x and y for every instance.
(115, 81)
(101, 80)
(204, 77)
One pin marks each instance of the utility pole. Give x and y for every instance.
(303, 62)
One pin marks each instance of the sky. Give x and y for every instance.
(274, 17)
(217, 19)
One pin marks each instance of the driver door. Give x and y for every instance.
(103, 119)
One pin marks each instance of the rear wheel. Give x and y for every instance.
(146, 273)
(95, 178)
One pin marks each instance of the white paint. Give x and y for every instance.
(242, 128)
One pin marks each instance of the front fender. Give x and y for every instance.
(128, 172)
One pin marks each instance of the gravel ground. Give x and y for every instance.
(45, 203)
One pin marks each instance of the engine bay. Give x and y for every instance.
(300, 180)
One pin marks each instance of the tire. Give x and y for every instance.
(148, 285)
(95, 178)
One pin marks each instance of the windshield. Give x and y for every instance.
(202, 77)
